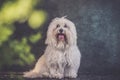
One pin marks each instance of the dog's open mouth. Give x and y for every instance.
(61, 37)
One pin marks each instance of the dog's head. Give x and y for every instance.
(61, 33)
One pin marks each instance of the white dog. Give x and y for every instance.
(62, 56)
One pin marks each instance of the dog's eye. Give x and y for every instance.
(57, 26)
(65, 26)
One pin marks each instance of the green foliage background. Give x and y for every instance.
(13, 51)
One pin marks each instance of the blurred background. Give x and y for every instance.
(21, 22)
(23, 26)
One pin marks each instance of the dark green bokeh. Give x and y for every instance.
(14, 51)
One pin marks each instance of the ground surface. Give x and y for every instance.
(18, 76)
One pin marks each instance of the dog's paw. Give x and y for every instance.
(58, 75)
(30, 74)
(71, 75)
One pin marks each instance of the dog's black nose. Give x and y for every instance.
(60, 30)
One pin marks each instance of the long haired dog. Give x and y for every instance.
(62, 56)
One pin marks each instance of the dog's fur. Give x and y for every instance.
(62, 56)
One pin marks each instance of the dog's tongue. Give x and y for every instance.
(61, 37)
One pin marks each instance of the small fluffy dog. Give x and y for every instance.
(62, 56)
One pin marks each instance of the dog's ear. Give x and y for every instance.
(73, 39)
(47, 41)
(49, 38)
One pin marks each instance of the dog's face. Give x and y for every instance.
(61, 33)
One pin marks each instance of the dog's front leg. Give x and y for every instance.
(55, 71)
(70, 72)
